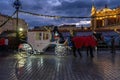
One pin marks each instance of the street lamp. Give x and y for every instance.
(17, 5)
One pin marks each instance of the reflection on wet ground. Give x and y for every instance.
(104, 66)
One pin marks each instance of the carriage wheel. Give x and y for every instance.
(24, 53)
(60, 50)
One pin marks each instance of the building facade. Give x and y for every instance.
(105, 17)
(11, 24)
(9, 30)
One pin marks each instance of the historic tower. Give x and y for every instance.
(93, 19)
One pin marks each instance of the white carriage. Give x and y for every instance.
(39, 41)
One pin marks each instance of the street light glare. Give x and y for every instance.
(20, 29)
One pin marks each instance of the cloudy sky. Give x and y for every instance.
(74, 8)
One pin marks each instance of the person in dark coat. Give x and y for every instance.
(58, 36)
(112, 44)
(56, 33)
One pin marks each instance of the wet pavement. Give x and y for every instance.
(104, 66)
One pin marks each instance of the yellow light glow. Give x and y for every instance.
(20, 29)
(115, 29)
(85, 28)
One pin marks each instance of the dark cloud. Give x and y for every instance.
(6, 7)
(114, 3)
(76, 8)
(31, 5)
(110, 3)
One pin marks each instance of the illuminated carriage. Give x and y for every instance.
(38, 43)
(40, 40)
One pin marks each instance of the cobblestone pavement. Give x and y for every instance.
(104, 66)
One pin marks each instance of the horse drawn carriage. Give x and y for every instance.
(40, 40)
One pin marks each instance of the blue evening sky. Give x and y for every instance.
(76, 8)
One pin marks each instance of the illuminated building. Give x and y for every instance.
(105, 17)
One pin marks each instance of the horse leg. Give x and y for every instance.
(78, 50)
(74, 51)
(87, 51)
(91, 52)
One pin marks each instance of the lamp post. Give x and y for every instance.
(17, 6)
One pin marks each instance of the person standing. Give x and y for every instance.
(56, 34)
(112, 44)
